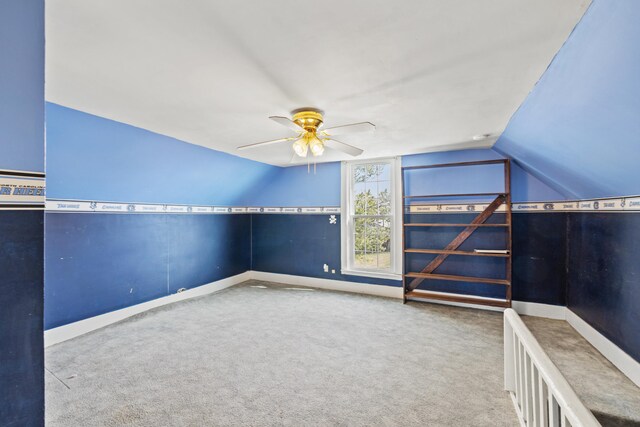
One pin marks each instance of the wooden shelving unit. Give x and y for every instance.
(412, 279)
(418, 224)
(442, 251)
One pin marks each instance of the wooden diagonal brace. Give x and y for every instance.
(459, 240)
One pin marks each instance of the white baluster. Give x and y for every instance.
(542, 403)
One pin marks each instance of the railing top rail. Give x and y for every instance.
(573, 408)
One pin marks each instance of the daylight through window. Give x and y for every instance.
(370, 216)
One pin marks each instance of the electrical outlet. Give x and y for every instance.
(326, 268)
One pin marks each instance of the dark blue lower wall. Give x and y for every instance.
(539, 257)
(300, 245)
(21, 304)
(604, 275)
(539, 252)
(439, 237)
(96, 263)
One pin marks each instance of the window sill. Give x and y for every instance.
(373, 274)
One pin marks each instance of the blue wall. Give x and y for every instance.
(22, 85)
(524, 186)
(604, 275)
(295, 186)
(579, 132)
(100, 262)
(21, 301)
(21, 232)
(575, 136)
(579, 129)
(537, 250)
(300, 245)
(538, 269)
(92, 158)
(92, 260)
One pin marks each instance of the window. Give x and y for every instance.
(371, 227)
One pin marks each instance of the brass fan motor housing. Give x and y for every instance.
(308, 118)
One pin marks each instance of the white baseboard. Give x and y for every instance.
(72, 330)
(625, 363)
(335, 285)
(557, 312)
(525, 308)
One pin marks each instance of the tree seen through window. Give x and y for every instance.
(372, 216)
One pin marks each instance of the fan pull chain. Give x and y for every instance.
(309, 167)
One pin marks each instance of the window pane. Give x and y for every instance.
(384, 173)
(372, 198)
(361, 234)
(359, 198)
(372, 238)
(384, 198)
(384, 241)
(372, 189)
(362, 241)
(365, 203)
(360, 173)
(371, 172)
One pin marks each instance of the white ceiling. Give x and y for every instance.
(430, 74)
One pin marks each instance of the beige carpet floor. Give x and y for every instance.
(262, 354)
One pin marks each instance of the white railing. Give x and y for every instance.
(540, 393)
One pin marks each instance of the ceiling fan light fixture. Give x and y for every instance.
(305, 122)
(300, 147)
(316, 146)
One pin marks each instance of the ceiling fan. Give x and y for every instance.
(310, 136)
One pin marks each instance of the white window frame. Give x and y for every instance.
(347, 225)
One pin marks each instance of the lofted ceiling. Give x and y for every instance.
(430, 74)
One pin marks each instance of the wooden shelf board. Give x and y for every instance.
(427, 196)
(458, 298)
(451, 165)
(443, 251)
(470, 279)
(437, 224)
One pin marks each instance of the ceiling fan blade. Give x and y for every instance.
(348, 129)
(287, 122)
(341, 146)
(260, 144)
